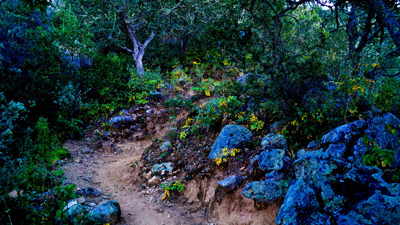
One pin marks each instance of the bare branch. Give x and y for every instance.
(127, 49)
(149, 39)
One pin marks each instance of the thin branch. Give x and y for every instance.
(127, 49)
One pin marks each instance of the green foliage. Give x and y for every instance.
(386, 95)
(376, 156)
(179, 102)
(142, 87)
(217, 109)
(176, 186)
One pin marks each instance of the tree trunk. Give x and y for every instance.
(184, 43)
(138, 48)
(139, 65)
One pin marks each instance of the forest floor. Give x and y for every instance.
(114, 175)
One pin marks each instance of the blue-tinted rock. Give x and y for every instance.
(75, 212)
(231, 136)
(300, 206)
(108, 212)
(336, 151)
(118, 121)
(157, 168)
(253, 163)
(164, 147)
(378, 209)
(246, 77)
(344, 132)
(264, 191)
(271, 159)
(89, 191)
(274, 175)
(313, 144)
(156, 95)
(274, 141)
(275, 127)
(379, 129)
(230, 183)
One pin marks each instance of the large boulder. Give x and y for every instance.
(264, 191)
(344, 132)
(274, 141)
(231, 136)
(301, 206)
(106, 213)
(271, 159)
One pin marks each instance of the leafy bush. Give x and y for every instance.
(176, 186)
(142, 87)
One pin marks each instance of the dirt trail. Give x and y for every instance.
(114, 175)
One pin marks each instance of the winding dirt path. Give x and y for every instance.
(114, 175)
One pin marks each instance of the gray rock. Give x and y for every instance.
(164, 147)
(89, 191)
(378, 129)
(156, 95)
(253, 163)
(300, 206)
(271, 159)
(76, 213)
(331, 86)
(86, 151)
(344, 132)
(275, 127)
(243, 79)
(231, 136)
(71, 203)
(274, 141)
(108, 212)
(274, 175)
(230, 183)
(119, 121)
(336, 151)
(264, 191)
(313, 144)
(378, 209)
(157, 168)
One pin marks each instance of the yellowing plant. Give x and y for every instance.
(183, 135)
(225, 153)
(255, 124)
(172, 186)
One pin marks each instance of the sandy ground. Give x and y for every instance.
(114, 175)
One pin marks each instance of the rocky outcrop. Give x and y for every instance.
(333, 184)
(271, 159)
(231, 136)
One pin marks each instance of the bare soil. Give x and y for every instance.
(114, 175)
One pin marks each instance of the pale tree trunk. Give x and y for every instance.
(138, 48)
(138, 51)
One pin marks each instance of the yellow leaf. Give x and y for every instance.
(207, 92)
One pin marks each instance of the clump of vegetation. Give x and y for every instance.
(225, 153)
(176, 186)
